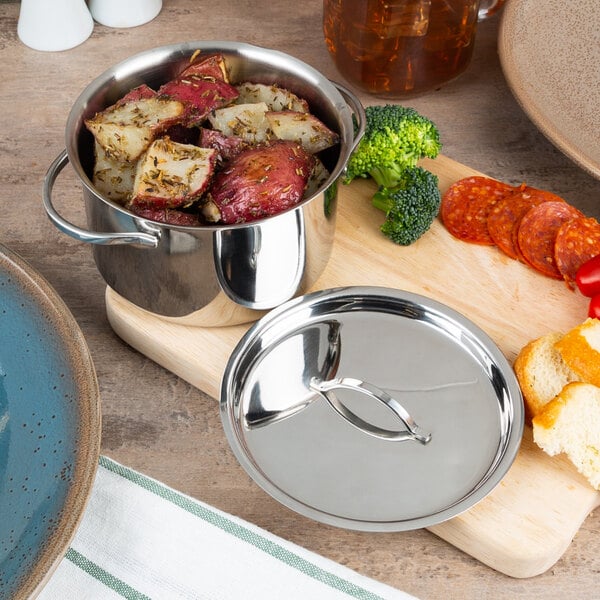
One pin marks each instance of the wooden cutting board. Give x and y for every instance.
(523, 527)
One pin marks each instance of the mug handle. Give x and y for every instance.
(487, 8)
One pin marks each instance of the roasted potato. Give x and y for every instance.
(226, 145)
(303, 128)
(273, 96)
(208, 67)
(141, 92)
(318, 176)
(261, 181)
(199, 96)
(245, 121)
(126, 129)
(112, 177)
(172, 175)
(167, 215)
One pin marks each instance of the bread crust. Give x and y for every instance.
(579, 352)
(559, 376)
(541, 373)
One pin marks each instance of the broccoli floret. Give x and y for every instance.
(395, 138)
(410, 206)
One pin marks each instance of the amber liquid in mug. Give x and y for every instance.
(400, 47)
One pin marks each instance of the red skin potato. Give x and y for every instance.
(226, 145)
(160, 185)
(166, 215)
(208, 67)
(261, 181)
(141, 92)
(200, 96)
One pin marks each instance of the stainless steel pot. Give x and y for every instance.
(212, 275)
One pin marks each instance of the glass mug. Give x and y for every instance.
(402, 47)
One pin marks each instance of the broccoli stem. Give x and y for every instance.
(382, 202)
(388, 176)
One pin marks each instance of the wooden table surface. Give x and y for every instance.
(155, 422)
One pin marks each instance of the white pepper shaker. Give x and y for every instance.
(128, 13)
(53, 26)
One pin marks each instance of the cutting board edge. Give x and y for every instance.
(523, 565)
(127, 322)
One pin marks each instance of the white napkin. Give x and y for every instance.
(140, 539)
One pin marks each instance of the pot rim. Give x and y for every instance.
(347, 106)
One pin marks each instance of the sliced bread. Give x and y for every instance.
(570, 423)
(580, 350)
(541, 372)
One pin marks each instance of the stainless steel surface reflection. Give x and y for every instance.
(313, 351)
(319, 392)
(256, 264)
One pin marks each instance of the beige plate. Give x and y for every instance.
(550, 54)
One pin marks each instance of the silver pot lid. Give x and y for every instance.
(372, 409)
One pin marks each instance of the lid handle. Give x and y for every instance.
(326, 389)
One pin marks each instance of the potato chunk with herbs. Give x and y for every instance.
(113, 178)
(199, 96)
(126, 129)
(259, 182)
(303, 128)
(212, 66)
(172, 175)
(273, 96)
(245, 121)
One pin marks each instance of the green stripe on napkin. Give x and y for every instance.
(139, 539)
(239, 531)
(110, 581)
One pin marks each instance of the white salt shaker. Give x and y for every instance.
(124, 13)
(53, 26)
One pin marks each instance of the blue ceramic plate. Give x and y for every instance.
(49, 428)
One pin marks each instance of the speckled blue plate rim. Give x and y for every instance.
(64, 326)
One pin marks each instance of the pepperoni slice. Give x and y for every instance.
(505, 217)
(537, 235)
(576, 242)
(466, 205)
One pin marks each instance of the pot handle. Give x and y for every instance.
(83, 235)
(360, 118)
(412, 431)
